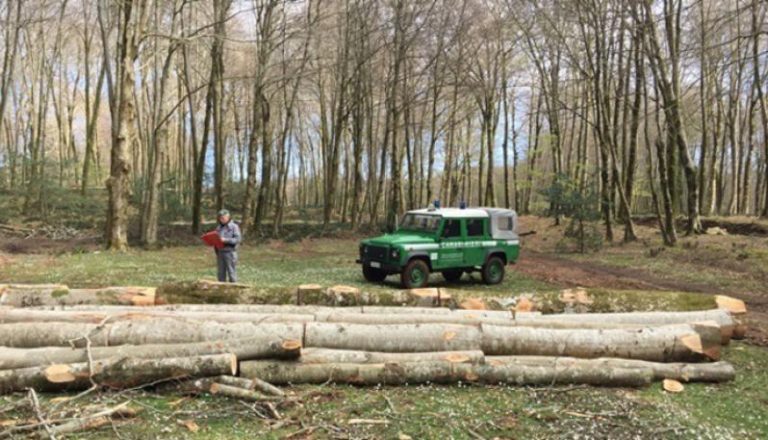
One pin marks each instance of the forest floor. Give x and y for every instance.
(735, 264)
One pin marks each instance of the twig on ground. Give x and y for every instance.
(38, 413)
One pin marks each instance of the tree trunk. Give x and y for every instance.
(331, 356)
(705, 372)
(661, 344)
(116, 373)
(118, 184)
(440, 372)
(59, 295)
(252, 347)
(392, 338)
(149, 331)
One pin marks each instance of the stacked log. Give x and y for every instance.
(240, 350)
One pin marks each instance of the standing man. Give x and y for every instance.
(226, 257)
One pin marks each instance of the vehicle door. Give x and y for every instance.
(450, 253)
(477, 233)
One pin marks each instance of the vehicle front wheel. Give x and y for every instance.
(493, 271)
(373, 274)
(415, 274)
(452, 275)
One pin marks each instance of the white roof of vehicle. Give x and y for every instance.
(452, 212)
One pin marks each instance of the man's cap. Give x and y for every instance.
(223, 212)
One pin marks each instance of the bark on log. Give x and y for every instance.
(147, 331)
(240, 393)
(722, 317)
(115, 373)
(677, 343)
(440, 372)
(392, 338)
(33, 315)
(255, 347)
(208, 308)
(686, 372)
(331, 356)
(458, 319)
(54, 294)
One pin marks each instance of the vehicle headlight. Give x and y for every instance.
(395, 254)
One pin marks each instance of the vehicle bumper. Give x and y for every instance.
(388, 267)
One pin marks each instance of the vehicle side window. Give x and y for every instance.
(507, 223)
(475, 227)
(452, 228)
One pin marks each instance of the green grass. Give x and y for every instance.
(276, 264)
(737, 410)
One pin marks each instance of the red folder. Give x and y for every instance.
(213, 239)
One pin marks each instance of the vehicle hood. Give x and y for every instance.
(401, 239)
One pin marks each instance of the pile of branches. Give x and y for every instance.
(243, 351)
(53, 232)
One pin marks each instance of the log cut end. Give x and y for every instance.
(59, 373)
(473, 304)
(672, 386)
(233, 365)
(457, 358)
(733, 305)
(524, 305)
(291, 345)
(697, 345)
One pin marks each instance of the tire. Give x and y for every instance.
(452, 275)
(493, 271)
(415, 274)
(373, 274)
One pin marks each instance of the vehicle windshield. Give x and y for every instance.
(420, 222)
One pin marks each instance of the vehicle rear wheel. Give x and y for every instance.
(452, 275)
(493, 271)
(415, 274)
(373, 274)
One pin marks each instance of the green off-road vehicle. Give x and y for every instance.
(451, 241)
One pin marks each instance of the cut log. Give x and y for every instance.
(473, 304)
(686, 372)
(255, 347)
(672, 386)
(343, 296)
(677, 343)
(12, 315)
(214, 292)
(722, 317)
(425, 297)
(392, 338)
(331, 356)
(174, 331)
(309, 294)
(55, 294)
(734, 305)
(208, 308)
(149, 331)
(115, 373)
(440, 372)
